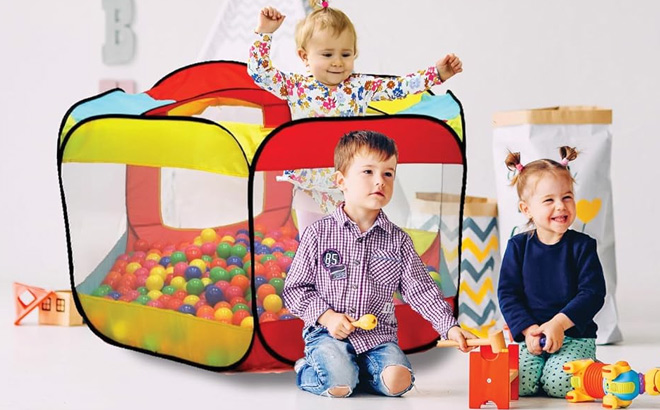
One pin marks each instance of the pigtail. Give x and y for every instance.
(318, 4)
(512, 162)
(567, 154)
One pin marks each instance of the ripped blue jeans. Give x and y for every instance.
(331, 363)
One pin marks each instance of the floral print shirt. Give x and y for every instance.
(309, 98)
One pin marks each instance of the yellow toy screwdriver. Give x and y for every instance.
(366, 322)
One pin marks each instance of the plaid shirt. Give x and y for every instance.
(337, 267)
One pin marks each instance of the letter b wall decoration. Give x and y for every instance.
(119, 46)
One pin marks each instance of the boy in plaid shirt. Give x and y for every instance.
(350, 263)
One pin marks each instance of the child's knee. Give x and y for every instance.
(339, 391)
(397, 379)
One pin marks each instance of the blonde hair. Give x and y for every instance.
(320, 19)
(539, 167)
(356, 141)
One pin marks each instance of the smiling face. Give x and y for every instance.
(367, 183)
(329, 57)
(550, 204)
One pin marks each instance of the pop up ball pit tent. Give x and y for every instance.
(179, 235)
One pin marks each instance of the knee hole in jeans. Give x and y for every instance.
(339, 391)
(396, 379)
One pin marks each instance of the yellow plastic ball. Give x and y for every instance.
(268, 241)
(154, 294)
(132, 267)
(153, 257)
(179, 282)
(158, 270)
(169, 270)
(154, 282)
(208, 235)
(223, 313)
(273, 303)
(198, 263)
(191, 300)
(197, 241)
(206, 281)
(228, 239)
(247, 321)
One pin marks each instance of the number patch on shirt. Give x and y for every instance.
(330, 258)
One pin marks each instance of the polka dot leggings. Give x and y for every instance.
(546, 370)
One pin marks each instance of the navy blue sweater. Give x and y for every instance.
(537, 281)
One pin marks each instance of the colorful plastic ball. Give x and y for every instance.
(218, 262)
(260, 310)
(164, 261)
(138, 256)
(208, 235)
(239, 306)
(206, 282)
(142, 290)
(233, 291)
(205, 311)
(248, 322)
(266, 258)
(154, 282)
(265, 290)
(237, 271)
(197, 241)
(113, 294)
(278, 284)
(193, 252)
(213, 295)
(217, 273)
(155, 303)
(177, 257)
(235, 260)
(150, 263)
(207, 259)
(268, 241)
(272, 303)
(100, 291)
(228, 238)
(241, 281)
(132, 267)
(222, 304)
(199, 263)
(238, 250)
(237, 299)
(194, 286)
(223, 313)
(142, 299)
(141, 245)
(268, 317)
(260, 280)
(242, 241)
(242, 231)
(222, 284)
(174, 304)
(238, 317)
(178, 282)
(187, 309)
(152, 256)
(223, 250)
(191, 300)
(288, 316)
(192, 272)
(290, 254)
(169, 290)
(158, 270)
(274, 274)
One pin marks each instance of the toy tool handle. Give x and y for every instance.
(366, 322)
(470, 342)
(542, 341)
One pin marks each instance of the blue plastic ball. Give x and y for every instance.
(260, 310)
(235, 260)
(277, 249)
(187, 309)
(213, 295)
(164, 261)
(260, 280)
(287, 316)
(243, 231)
(192, 272)
(114, 294)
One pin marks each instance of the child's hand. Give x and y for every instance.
(269, 20)
(459, 336)
(533, 340)
(338, 324)
(553, 330)
(448, 67)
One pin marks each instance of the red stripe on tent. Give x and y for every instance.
(311, 143)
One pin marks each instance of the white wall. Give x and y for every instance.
(516, 54)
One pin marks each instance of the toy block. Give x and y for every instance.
(26, 299)
(493, 376)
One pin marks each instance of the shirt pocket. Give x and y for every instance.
(385, 268)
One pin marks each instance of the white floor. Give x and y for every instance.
(70, 368)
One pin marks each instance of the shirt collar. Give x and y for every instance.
(381, 221)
